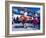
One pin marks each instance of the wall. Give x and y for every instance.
(2, 19)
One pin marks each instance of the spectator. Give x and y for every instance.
(35, 22)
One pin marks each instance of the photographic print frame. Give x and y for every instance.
(7, 15)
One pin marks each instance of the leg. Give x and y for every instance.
(25, 25)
